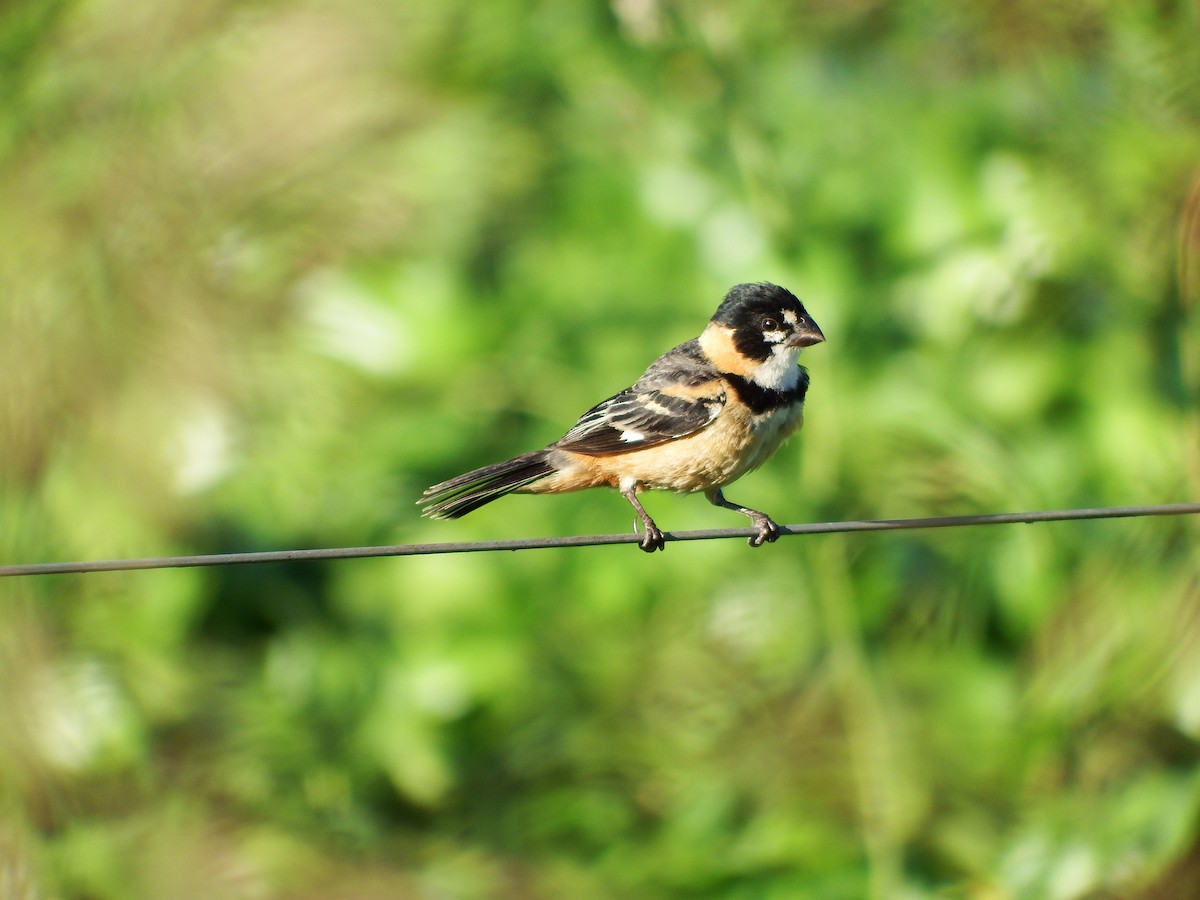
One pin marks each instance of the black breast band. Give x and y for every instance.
(762, 399)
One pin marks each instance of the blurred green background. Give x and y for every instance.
(268, 269)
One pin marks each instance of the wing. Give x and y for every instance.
(678, 395)
(637, 418)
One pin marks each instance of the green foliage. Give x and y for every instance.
(269, 269)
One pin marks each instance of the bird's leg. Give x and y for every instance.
(767, 530)
(653, 538)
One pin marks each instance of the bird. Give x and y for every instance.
(702, 415)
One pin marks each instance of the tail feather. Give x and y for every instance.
(471, 490)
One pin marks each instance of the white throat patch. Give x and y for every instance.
(780, 371)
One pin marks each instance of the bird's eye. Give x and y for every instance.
(769, 324)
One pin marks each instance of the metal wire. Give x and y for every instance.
(276, 556)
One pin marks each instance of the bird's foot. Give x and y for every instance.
(652, 539)
(768, 531)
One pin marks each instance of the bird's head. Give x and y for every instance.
(758, 332)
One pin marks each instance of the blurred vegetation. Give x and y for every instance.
(267, 269)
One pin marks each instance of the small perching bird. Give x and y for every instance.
(703, 414)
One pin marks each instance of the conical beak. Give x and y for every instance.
(808, 333)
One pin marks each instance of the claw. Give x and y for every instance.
(768, 531)
(652, 540)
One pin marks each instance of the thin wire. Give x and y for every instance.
(276, 556)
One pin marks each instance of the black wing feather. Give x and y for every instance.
(635, 419)
(639, 417)
(645, 415)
